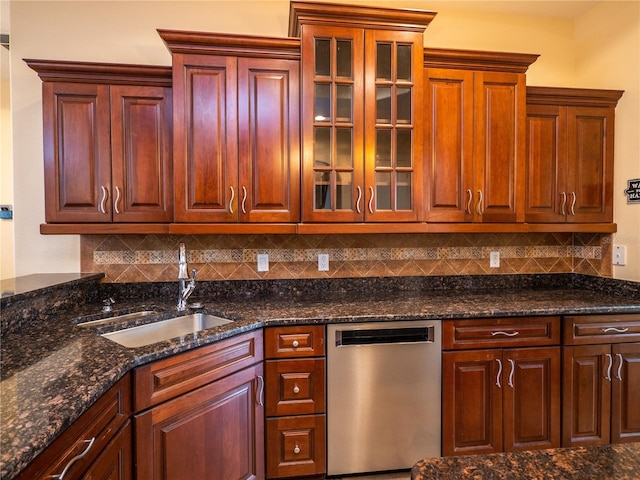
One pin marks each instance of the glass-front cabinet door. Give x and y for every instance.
(362, 136)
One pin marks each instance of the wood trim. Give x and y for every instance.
(102, 73)
(318, 13)
(582, 97)
(103, 228)
(478, 60)
(232, 228)
(178, 41)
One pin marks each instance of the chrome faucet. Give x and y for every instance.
(184, 289)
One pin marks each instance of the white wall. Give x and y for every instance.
(115, 31)
(7, 260)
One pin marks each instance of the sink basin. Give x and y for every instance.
(164, 330)
(118, 318)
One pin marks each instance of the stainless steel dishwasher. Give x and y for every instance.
(383, 395)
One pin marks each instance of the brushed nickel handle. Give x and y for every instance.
(261, 391)
(105, 194)
(512, 334)
(564, 203)
(233, 195)
(359, 198)
(469, 200)
(573, 203)
(60, 476)
(499, 372)
(244, 199)
(619, 375)
(115, 206)
(615, 330)
(479, 206)
(608, 376)
(371, 199)
(513, 369)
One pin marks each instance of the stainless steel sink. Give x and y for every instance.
(118, 318)
(164, 330)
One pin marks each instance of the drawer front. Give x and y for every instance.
(76, 449)
(173, 376)
(596, 329)
(296, 446)
(293, 342)
(500, 332)
(295, 387)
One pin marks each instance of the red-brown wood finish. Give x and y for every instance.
(294, 341)
(295, 387)
(625, 399)
(116, 460)
(599, 329)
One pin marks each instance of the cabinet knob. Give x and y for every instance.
(296, 449)
(296, 389)
(295, 344)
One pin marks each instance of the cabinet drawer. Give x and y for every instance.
(500, 332)
(165, 379)
(297, 446)
(299, 341)
(594, 329)
(87, 437)
(295, 387)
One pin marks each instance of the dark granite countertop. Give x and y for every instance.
(601, 462)
(52, 370)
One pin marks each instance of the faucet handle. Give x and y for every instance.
(107, 304)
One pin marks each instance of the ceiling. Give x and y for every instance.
(567, 9)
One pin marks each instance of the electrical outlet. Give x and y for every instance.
(263, 262)
(494, 259)
(323, 262)
(619, 255)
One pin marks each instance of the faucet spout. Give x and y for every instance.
(186, 285)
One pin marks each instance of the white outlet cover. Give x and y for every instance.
(619, 255)
(323, 262)
(494, 260)
(263, 262)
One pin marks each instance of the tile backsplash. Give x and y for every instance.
(153, 258)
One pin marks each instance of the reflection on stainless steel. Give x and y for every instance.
(118, 318)
(164, 330)
(383, 395)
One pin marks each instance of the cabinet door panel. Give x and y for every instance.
(546, 195)
(625, 400)
(142, 170)
(500, 116)
(269, 121)
(586, 395)
(449, 145)
(116, 460)
(590, 145)
(76, 152)
(205, 138)
(215, 432)
(531, 398)
(472, 402)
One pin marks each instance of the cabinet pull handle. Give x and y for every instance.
(499, 372)
(573, 203)
(103, 201)
(513, 369)
(261, 391)
(295, 344)
(615, 330)
(75, 459)
(359, 198)
(296, 389)
(512, 334)
(115, 206)
(233, 195)
(296, 449)
(619, 374)
(470, 194)
(371, 200)
(564, 203)
(479, 206)
(244, 199)
(608, 377)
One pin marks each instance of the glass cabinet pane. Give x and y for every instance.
(345, 101)
(404, 148)
(343, 59)
(322, 146)
(403, 194)
(322, 194)
(403, 63)
(323, 57)
(383, 105)
(322, 111)
(383, 190)
(344, 148)
(383, 61)
(403, 105)
(383, 148)
(344, 190)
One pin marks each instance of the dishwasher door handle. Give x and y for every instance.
(380, 336)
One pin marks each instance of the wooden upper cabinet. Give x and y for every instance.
(236, 125)
(570, 135)
(107, 142)
(361, 112)
(474, 154)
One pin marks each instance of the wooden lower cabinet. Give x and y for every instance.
(116, 460)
